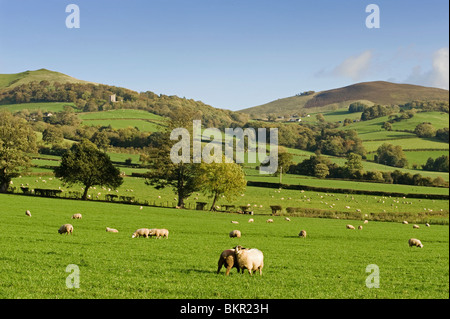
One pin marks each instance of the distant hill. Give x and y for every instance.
(378, 92)
(8, 81)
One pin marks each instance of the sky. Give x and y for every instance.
(231, 54)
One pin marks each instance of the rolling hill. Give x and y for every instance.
(8, 81)
(378, 92)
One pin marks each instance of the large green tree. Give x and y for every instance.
(17, 140)
(391, 155)
(85, 164)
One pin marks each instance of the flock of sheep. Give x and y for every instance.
(239, 257)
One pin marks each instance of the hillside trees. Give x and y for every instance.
(425, 129)
(391, 155)
(17, 140)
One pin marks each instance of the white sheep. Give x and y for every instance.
(350, 227)
(360, 227)
(250, 259)
(111, 230)
(416, 226)
(66, 229)
(287, 219)
(405, 222)
(76, 216)
(28, 213)
(366, 221)
(302, 234)
(235, 234)
(415, 242)
(158, 233)
(141, 232)
(270, 220)
(428, 225)
(234, 222)
(251, 220)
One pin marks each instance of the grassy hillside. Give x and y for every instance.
(378, 92)
(13, 80)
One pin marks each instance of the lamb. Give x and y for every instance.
(228, 258)
(66, 229)
(159, 233)
(251, 259)
(111, 230)
(28, 213)
(235, 234)
(76, 216)
(302, 233)
(270, 220)
(416, 226)
(141, 232)
(251, 220)
(350, 227)
(415, 242)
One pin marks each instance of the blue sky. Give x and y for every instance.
(230, 54)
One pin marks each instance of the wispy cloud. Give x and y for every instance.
(438, 76)
(354, 67)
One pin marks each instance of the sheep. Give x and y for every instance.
(366, 221)
(415, 242)
(350, 227)
(111, 230)
(302, 233)
(234, 222)
(287, 219)
(235, 234)
(158, 233)
(228, 258)
(251, 259)
(360, 227)
(251, 220)
(141, 232)
(28, 213)
(405, 222)
(76, 216)
(270, 220)
(428, 225)
(416, 226)
(66, 229)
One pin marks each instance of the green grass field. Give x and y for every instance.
(330, 263)
(44, 106)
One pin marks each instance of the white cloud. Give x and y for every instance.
(355, 67)
(438, 76)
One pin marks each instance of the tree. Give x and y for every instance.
(425, 130)
(84, 163)
(52, 135)
(387, 126)
(221, 179)
(320, 118)
(354, 163)
(17, 140)
(321, 171)
(391, 155)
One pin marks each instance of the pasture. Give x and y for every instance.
(330, 263)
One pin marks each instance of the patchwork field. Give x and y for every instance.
(330, 263)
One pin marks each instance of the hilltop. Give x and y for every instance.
(378, 92)
(9, 81)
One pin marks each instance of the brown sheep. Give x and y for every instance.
(228, 258)
(302, 233)
(66, 229)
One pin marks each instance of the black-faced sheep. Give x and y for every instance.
(141, 232)
(350, 227)
(235, 234)
(302, 234)
(158, 233)
(250, 259)
(360, 227)
(415, 242)
(66, 229)
(228, 259)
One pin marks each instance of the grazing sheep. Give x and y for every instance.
(28, 213)
(111, 230)
(235, 234)
(350, 227)
(228, 258)
(366, 221)
(302, 233)
(251, 220)
(251, 259)
(234, 222)
(270, 220)
(405, 222)
(428, 225)
(287, 219)
(416, 226)
(360, 227)
(141, 232)
(66, 229)
(76, 216)
(415, 242)
(158, 233)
